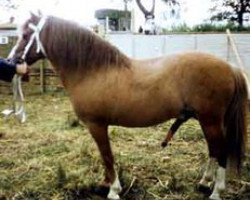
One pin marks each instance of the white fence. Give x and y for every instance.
(148, 46)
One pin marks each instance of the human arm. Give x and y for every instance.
(9, 69)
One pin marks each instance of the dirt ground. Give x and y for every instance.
(52, 157)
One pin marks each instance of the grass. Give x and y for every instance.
(48, 158)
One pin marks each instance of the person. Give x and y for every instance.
(9, 69)
(140, 30)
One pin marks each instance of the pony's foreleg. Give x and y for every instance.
(100, 135)
(115, 189)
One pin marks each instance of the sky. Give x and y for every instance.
(192, 11)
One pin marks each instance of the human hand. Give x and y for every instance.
(21, 68)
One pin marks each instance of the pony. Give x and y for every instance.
(107, 88)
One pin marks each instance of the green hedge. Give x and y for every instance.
(207, 27)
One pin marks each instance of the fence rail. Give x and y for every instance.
(144, 46)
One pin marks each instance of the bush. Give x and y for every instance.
(206, 27)
(209, 27)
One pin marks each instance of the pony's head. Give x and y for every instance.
(66, 44)
(29, 47)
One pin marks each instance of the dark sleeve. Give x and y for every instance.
(7, 70)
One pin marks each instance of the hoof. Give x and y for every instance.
(101, 191)
(214, 197)
(114, 191)
(204, 189)
(114, 197)
(164, 144)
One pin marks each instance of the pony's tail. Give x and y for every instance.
(235, 123)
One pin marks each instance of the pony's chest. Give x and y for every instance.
(96, 98)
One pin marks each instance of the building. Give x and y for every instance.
(118, 20)
(8, 35)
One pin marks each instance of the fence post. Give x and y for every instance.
(133, 46)
(235, 49)
(107, 25)
(42, 77)
(195, 42)
(132, 23)
(228, 47)
(164, 45)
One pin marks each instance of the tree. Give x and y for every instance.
(231, 10)
(8, 4)
(149, 14)
(172, 4)
(150, 27)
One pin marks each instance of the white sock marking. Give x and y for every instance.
(115, 189)
(219, 183)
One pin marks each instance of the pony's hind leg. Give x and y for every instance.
(100, 135)
(207, 181)
(213, 130)
(219, 183)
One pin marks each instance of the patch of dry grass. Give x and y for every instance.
(47, 158)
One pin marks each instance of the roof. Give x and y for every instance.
(112, 13)
(8, 26)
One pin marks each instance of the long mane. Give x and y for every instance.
(71, 45)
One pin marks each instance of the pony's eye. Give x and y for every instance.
(25, 36)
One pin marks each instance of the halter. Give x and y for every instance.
(35, 36)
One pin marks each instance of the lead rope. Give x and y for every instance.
(18, 101)
(18, 98)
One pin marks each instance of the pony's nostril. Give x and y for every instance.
(16, 60)
(20, 61)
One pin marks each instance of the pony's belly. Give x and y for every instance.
(143, 118)
(134, 123)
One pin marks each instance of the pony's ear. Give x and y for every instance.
(40, 14)
(36, 15)
(33, 15)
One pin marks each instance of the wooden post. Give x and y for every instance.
(42, 77)
(228, 48)
(235, 49)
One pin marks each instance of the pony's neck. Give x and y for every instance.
(73, 48)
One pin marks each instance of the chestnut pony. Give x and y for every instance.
(108, 88)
